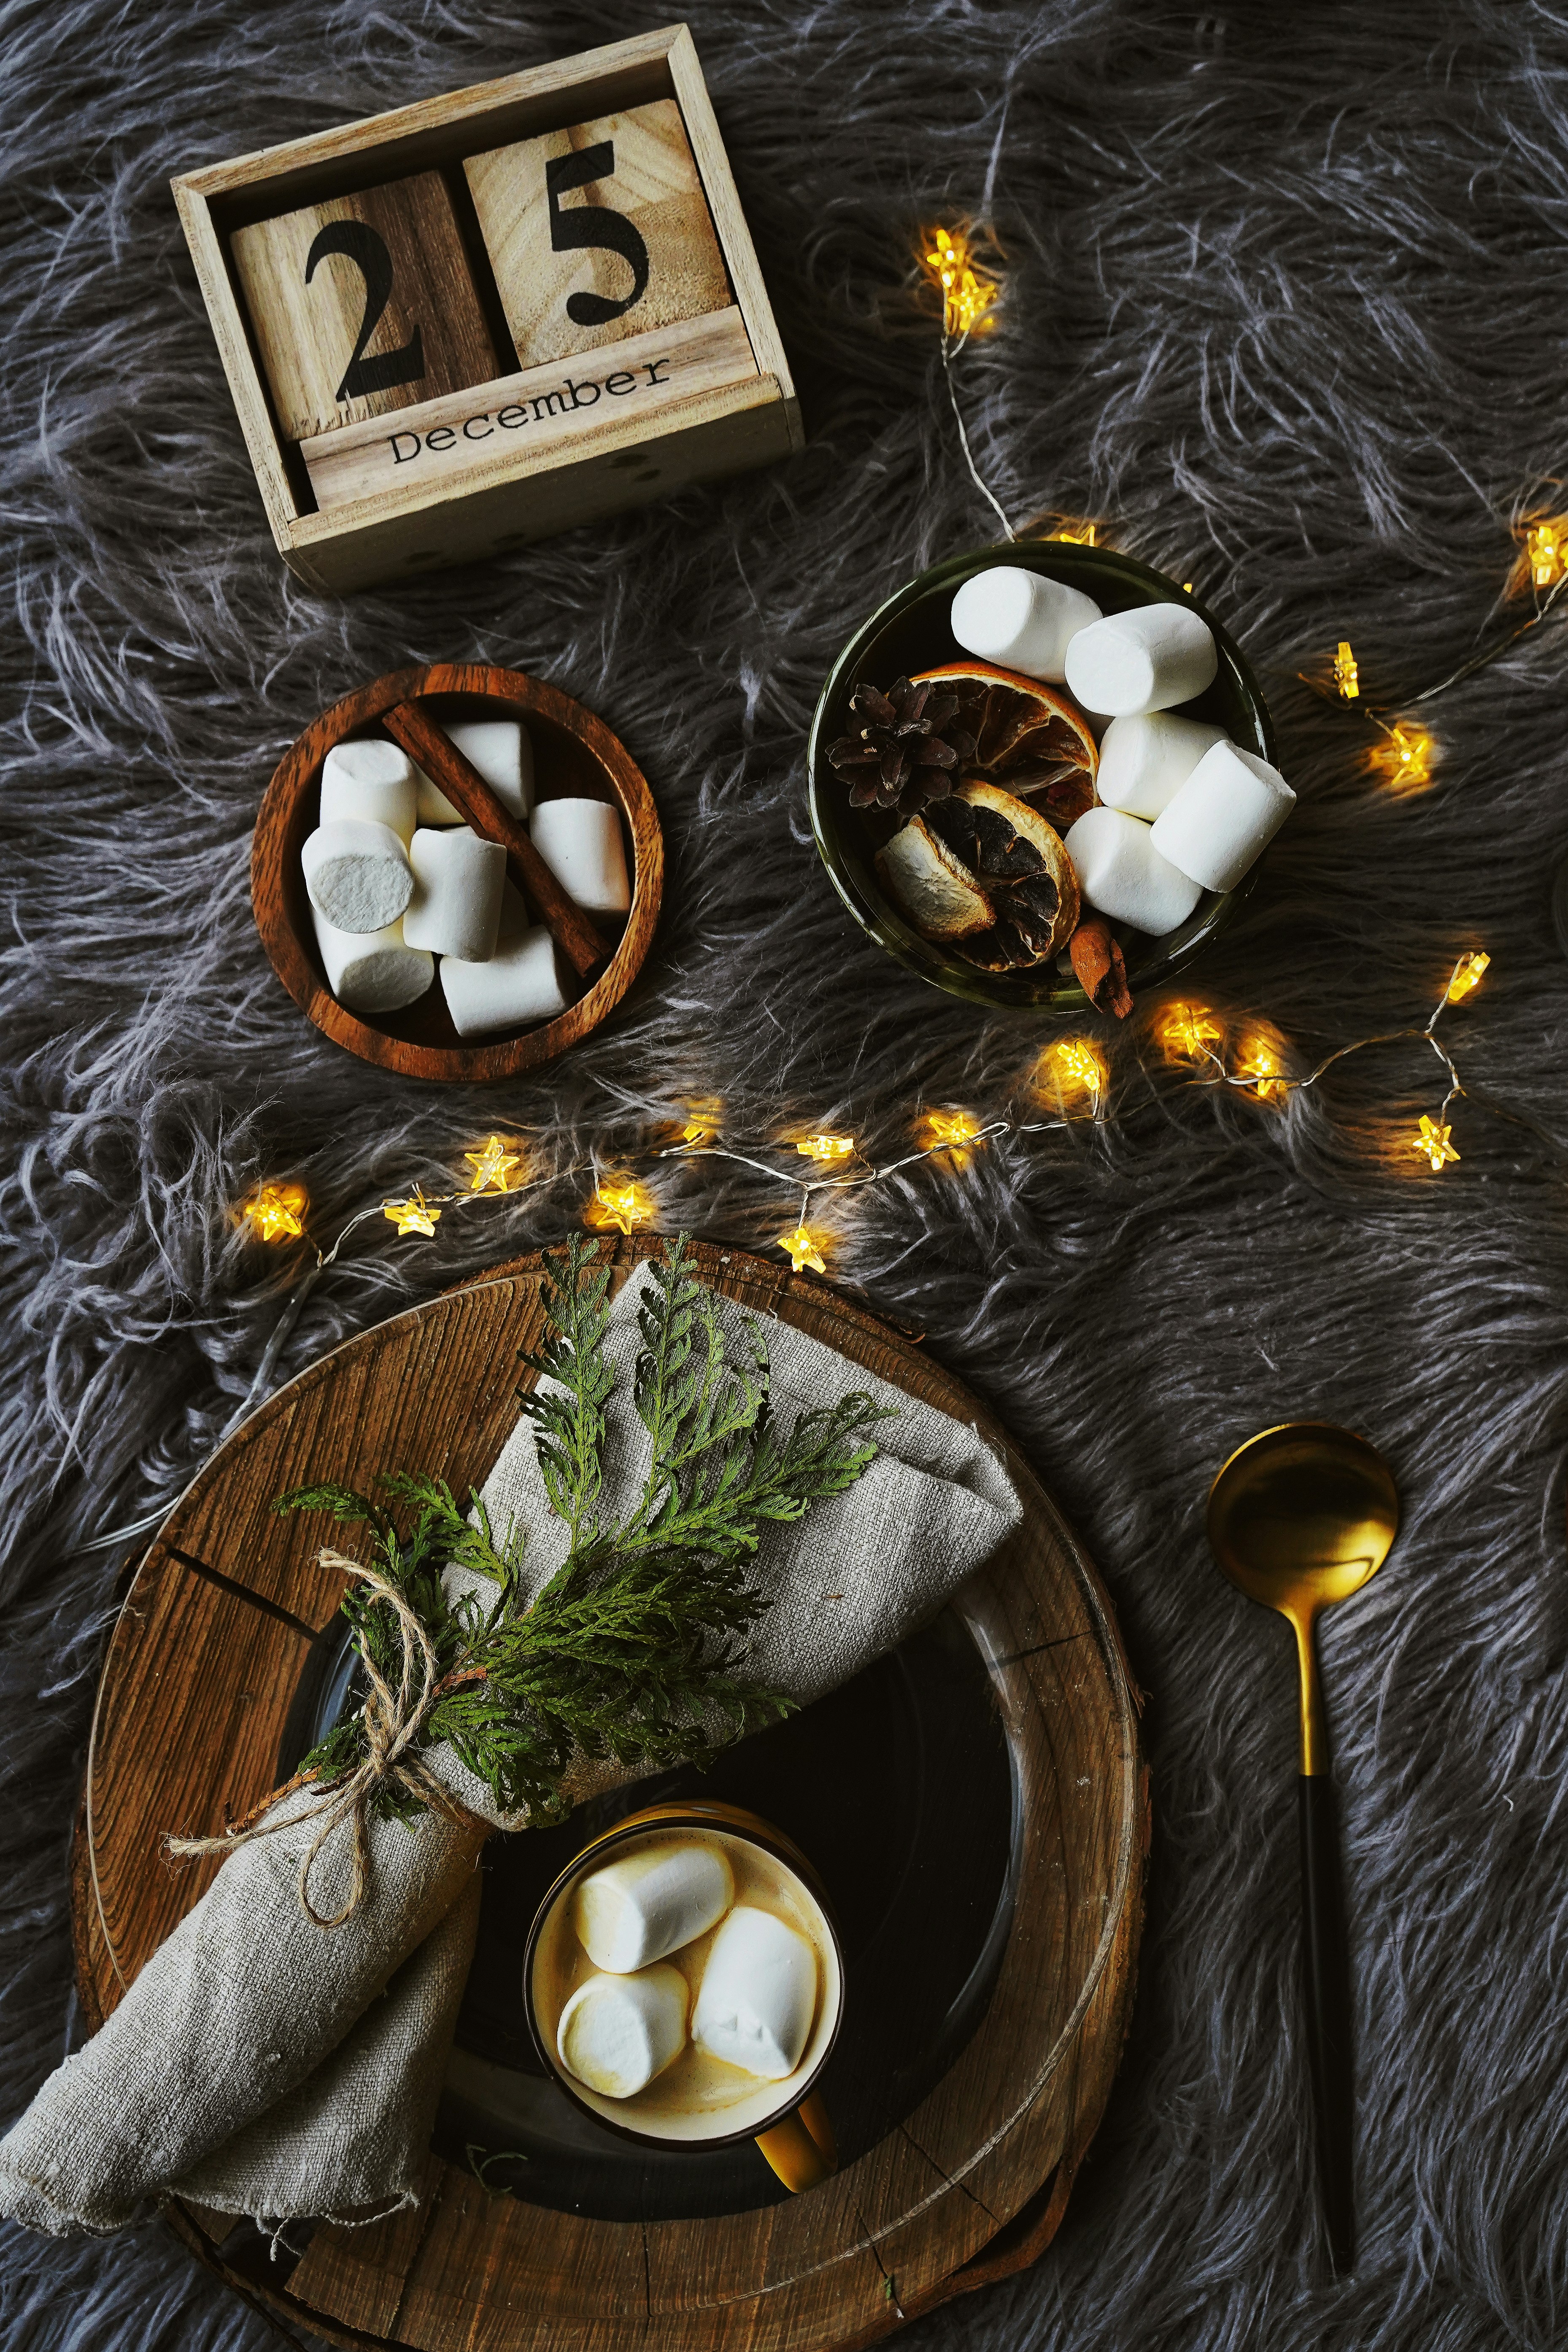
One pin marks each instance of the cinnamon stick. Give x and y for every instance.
(575, 933)
(1098, 967)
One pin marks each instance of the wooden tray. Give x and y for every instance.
(575, 754)
(210, 1650)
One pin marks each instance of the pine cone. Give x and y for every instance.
(905, 753)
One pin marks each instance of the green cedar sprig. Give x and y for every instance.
(632, 1649)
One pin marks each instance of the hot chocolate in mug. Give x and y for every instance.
(698, 2099)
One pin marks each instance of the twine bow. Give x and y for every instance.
(393, 1720)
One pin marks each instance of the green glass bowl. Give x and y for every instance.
(909, 634)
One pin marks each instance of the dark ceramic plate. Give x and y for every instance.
(901, 1788)
(910, 634)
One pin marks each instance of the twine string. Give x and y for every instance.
(392, 1721)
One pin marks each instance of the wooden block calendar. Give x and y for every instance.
(491, 316)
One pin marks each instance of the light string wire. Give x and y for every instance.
(619, 1201)
(967, 295)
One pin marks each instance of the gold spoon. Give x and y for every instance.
(1301, 1516)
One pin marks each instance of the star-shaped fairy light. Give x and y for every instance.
(1260, 1065)
(275, 1213)
(491, 1165)
(1346, 676)
(621, 1202)
(700, 1122)
(950, 1129)
(824, 1147)
(1188, 1031)
(1467, 974)
(1546, 552)
(1075, 1069)
(1405, 760)
(416, 1215)
(804, 1249)
(968, 294)
(1433, 1140)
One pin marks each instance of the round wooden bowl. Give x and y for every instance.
(212, 1668)
(575, 757)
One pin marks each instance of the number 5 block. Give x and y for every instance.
(598, 232)
(362, 304)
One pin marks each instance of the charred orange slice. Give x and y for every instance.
(1029, 741)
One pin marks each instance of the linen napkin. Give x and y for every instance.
(261, 2065)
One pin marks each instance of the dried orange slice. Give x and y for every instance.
(1029, 741)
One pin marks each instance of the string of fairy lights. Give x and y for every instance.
(1070, 1077)
(1070, 1080)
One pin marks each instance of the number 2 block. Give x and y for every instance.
(362, 304)
(598, 232)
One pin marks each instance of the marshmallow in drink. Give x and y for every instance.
(617, 2032)
(358, 874)
(1145, 659)
(371, 971)
(1020, 620)
(1122, 874)
(1146, 759)
(504, 757)
(371, 779)
(520, 983)
(580, 842)
(758, 1996)
(1227, 813)
(650, 1903)
(456, 908)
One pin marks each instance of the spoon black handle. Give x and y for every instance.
(1328, 2010)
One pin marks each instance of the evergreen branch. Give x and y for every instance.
(633, 1648)
(570, 1412)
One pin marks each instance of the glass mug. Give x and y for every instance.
(690, 2103)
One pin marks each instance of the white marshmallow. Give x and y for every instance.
(358, 874)
(456, 908)
(580, 842)
(617, 2032)
(647, 1904)
(1020, 620)
(518, 985)
(758, 1996)
(1122, 874)
(371, 971)
(1145, 659)
(373, 780)
(1146, 759)
(504, 756)
(1227, 813)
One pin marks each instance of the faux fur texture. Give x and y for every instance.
(1286, 307)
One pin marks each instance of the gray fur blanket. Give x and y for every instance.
(1286, 309)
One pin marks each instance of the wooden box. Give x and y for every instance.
(412, 431)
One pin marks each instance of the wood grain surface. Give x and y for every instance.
(651, 183)
(195, 1693)
(406, 308)
(575, 754)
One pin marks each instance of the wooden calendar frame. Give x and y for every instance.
(613, 460)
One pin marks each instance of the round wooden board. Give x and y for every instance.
(205, 1658)
(573, 751)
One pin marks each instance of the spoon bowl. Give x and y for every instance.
(1302, 1516)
